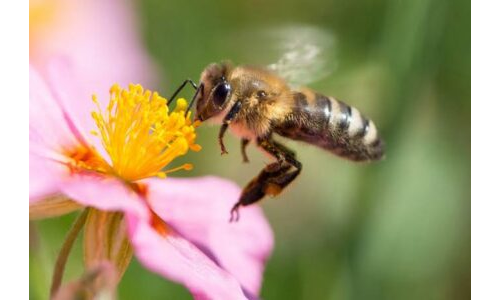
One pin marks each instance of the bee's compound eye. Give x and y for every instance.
(261, 94)
(220, 93)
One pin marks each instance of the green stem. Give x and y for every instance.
(62, 258)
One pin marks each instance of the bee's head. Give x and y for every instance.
(214, 96)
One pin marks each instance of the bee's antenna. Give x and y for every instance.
(200, 88)
(180, 89)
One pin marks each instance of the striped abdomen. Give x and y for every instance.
(332, 125)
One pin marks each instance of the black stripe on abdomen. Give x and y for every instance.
(344, 118)
(352, 134)
(332, 125)
(363, 130)
(313, 115)
(322, 108)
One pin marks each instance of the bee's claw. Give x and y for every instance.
(222, 148)
(235, 215)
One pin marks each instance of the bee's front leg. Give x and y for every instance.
(225, 123)
(222, 131)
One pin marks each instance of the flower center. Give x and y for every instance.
(139, 133)
(86, 158)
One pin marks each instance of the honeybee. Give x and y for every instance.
(257, 104)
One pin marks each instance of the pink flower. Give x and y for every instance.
(99, 36)
(177, 228)
(98, 282)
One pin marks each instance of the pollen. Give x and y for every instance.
(141, 135)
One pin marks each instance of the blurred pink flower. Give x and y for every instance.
(98, 282)
(178, 228)
(100, 37)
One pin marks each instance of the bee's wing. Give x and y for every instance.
(308, 54)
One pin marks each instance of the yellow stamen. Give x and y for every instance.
(139, 133)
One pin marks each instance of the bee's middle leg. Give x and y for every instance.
(244, 144)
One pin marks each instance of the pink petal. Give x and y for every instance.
(51, 131)
(43, 176)
(101, 38)
(49, 126)
(199, 210)
(179, 260)
(104, 193)
(62, 73)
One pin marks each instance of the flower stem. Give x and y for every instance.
(62, 258)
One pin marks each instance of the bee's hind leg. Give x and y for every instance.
(276, 184)
(284, 149)
(257, 188)
(272, 179)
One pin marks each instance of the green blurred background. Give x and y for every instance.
(398, 229)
